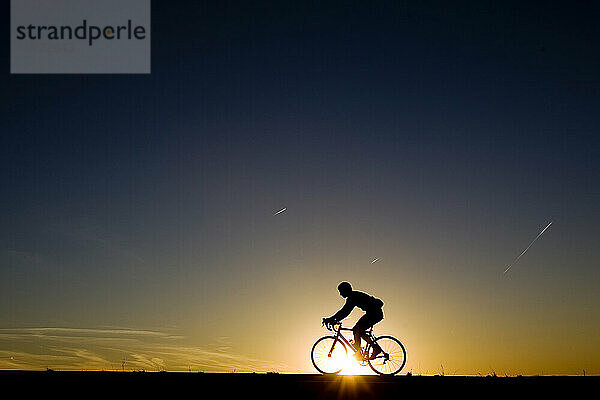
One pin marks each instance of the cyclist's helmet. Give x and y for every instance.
(344, 288)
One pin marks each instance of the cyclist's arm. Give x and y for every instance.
(343, 312)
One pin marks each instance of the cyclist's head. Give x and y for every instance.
(344, 288)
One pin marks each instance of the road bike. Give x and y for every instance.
(329, 354)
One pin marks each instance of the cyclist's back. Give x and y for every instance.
(364, 301)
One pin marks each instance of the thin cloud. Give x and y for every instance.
(126, 332)
(91, 348)
(26, 256)
(90, 233)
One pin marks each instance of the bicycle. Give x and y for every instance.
(329, 353)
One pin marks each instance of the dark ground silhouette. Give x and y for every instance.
(109, 385)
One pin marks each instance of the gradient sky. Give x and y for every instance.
(137, 220)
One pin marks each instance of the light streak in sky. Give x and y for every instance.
(280, 211)
(527, 248)
(374, 260)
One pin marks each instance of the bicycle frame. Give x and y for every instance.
(339, 336)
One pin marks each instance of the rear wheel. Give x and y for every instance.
(329, 355)
(392, 359)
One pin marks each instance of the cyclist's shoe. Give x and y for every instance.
(359, 357)
(376, 351)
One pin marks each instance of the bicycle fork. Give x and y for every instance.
(337, 338)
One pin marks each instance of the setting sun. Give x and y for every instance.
(352, 367)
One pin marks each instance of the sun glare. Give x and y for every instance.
(352, 367)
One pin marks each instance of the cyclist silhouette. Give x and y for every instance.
(373, 314)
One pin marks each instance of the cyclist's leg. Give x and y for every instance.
(365, 322)
(373, 318)
(359, 329)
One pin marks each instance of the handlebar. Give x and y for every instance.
(330, 326)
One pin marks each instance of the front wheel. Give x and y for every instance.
(329, 355)
(392, 359)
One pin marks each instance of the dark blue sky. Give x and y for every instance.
(438, 136)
